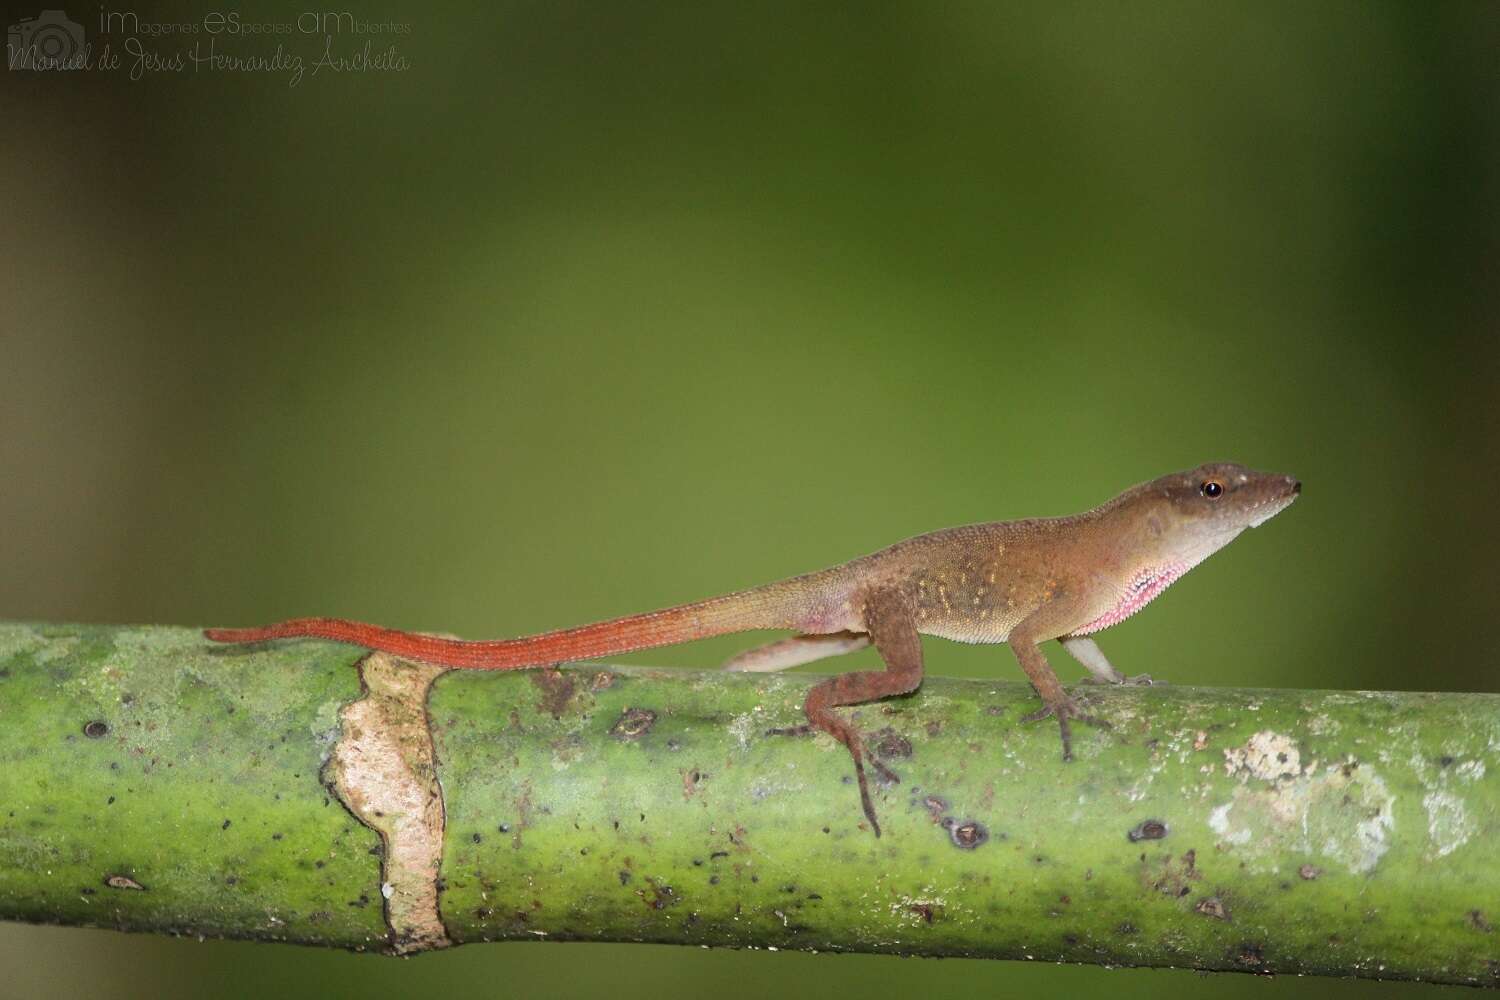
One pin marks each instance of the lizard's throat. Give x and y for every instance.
(1141, 590)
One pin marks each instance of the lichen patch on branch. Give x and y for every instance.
(382, 768)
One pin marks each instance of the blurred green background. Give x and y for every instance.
(599, 307)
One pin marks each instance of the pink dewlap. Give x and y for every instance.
(1146, 585)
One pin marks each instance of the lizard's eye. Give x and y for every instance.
(1212, 489)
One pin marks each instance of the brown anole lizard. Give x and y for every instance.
(1020, 582)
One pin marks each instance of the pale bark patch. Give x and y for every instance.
(383, 769)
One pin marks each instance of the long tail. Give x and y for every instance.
(773, 606)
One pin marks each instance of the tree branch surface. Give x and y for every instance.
(306, 792)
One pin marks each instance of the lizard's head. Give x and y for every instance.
(1197, 512)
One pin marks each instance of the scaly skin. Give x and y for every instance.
(1021, 582)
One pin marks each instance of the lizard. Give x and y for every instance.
(1019, 582)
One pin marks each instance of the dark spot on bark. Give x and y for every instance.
(1250, 954)
(967, 834)
(1171, 878)
(1479, 923)
(123, 882)
(1151, 829)
(557, 690)
(1213, 907)
(97, 729)
(658, 896)
(1309, 872)
(923, 910)
(633, 723)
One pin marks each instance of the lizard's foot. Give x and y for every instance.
(1064, 710)
(885, 774)
(1120, 680)
(802, 730)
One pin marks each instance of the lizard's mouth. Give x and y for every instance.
(1271, 506)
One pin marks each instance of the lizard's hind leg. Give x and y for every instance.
(893, 629)
(795, 651)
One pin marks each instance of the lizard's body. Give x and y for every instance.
(1021, 582)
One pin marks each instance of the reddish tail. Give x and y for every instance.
(766, 607)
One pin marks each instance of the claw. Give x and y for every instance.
(1139, 680)
(884, 773)
(1065, 710)
(802, 730)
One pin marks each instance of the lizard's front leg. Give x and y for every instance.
(1049, 621)
(1087, 652)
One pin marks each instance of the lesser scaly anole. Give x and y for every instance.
(1021, 582)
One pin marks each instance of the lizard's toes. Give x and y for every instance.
(802, 730)
(1045, 712)
(884, 773)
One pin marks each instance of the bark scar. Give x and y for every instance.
(383, 768)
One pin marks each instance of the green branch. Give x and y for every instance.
(151, 781)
